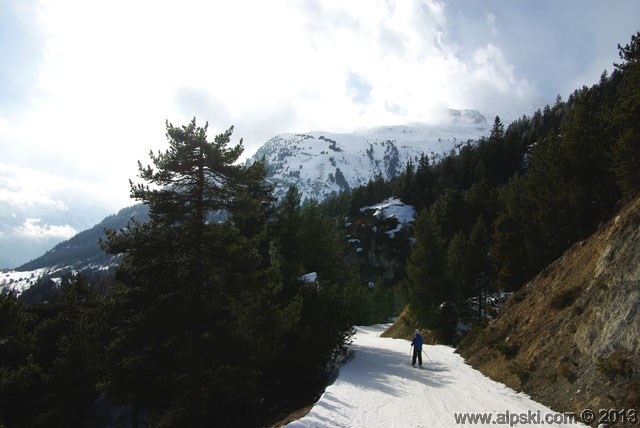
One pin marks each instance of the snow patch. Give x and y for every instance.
(309, 277)
(392, 208)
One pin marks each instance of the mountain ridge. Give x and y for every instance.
(79, 249)
(323, 163)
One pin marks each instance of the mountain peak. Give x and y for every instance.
(322, 163)
(470, 117)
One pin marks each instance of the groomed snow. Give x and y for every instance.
(379, 388)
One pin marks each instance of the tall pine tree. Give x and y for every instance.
(191, 288)
(626, 151)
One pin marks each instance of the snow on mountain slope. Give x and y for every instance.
(379, 388)
(18, 281)
(320, 163)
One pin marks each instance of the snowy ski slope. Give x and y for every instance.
(379, 388)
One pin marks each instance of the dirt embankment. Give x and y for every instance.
(571, 337)
(404, 327)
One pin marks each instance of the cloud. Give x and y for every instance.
(29, 198)
(199, 103)
(32, 229)
(491, 22)
(22, 188)
(106, 75)
(106, 93)
(61, 205)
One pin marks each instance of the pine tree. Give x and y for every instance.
(307, 241)
(497, 130)
(427, 281)
(459, 269)
(626, 151)
(20, 374)
(480, 261)
(188, 286)
(286, 228)
(73, 327)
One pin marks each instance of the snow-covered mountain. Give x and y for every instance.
(321, 163)
(81, 253)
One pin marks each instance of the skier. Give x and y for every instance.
(416, 343)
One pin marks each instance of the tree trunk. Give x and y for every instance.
(135, 413)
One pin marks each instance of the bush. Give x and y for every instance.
(564, 298)
(523, 372)
(565, 370)
(509, 350)
(615, 364)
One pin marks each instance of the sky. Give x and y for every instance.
(86, 86)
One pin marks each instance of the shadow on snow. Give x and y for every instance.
(390, 370)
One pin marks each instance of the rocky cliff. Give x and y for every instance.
(571, 337)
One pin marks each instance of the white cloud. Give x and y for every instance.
(27, 198)
(112, 72)
(25, 187)
(32, 229)
(491, 23)
(111, 77)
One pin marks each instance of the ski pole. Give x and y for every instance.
(425, 354)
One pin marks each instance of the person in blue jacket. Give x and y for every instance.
(416, 343)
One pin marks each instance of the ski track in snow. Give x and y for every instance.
(380, 388)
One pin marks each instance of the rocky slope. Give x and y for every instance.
(571, 337)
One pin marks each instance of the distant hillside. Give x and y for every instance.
(82, 250)
(570, 337)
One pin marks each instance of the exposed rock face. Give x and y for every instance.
(571, 337)
(380, 240)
